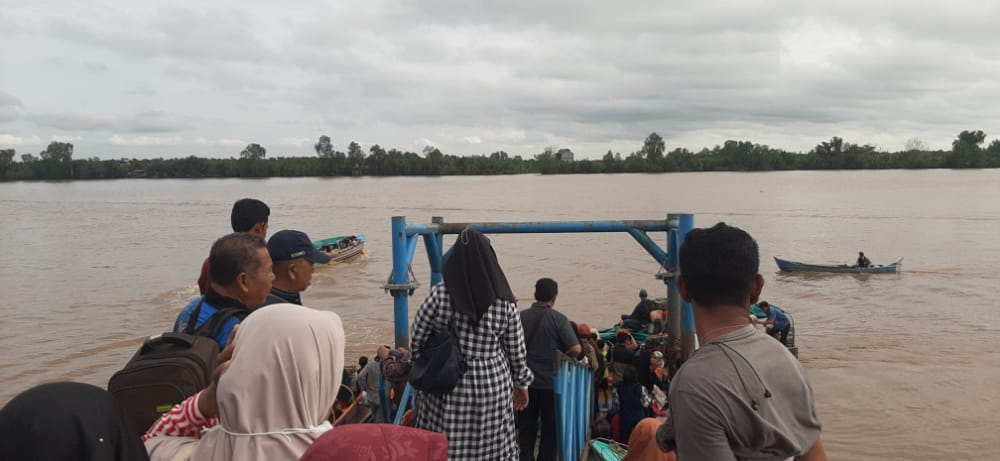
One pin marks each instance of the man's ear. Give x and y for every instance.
(758, 286)
(259, 229)
(293, 271)
(682, 289)
(243, 281)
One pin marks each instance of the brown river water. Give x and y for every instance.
(904, 366)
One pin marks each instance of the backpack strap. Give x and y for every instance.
(213, 325)
(192, 322)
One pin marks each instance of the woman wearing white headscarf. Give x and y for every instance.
(272, 398)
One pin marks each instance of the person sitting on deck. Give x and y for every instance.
(293, 255)
(863, 260)
(777, 322)
(241, 280)
(642, 311)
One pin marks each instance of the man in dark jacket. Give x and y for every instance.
(293, 255)
(547, 332)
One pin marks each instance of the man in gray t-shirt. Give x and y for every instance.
(742, 395)
(546, 331)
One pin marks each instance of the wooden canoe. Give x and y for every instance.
(792, 266)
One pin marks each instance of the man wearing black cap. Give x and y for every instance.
(293, 256)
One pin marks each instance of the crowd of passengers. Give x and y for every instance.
(274, 394)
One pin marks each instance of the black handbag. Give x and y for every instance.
(440, 365)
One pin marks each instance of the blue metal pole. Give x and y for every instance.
(400, 277)
(539, 227)
(411, 248)
(673, 297)
(688, 335)
(647, 243)
(434, 242)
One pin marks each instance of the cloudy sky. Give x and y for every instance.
(150, 78)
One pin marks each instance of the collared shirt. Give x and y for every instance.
(277, 296)
(555, 334)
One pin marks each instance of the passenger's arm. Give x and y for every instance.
(183, 420)
(513, 343)
(568, 339)
(816, 453)
(423, 324)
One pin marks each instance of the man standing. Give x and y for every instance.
(777, 322)
(293, 255)
(742, 395)
(547, 332)
(248, 215)
(368, 380)
(241, 280)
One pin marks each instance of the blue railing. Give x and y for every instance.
(405, 237)
(574, 390)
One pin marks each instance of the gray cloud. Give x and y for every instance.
(10, 107)
(517, 75)
(9, 100)
(150, 121)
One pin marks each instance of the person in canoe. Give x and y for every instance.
(863, 260)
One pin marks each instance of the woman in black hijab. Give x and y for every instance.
(474, 277)
(67, 422)
(478, 414)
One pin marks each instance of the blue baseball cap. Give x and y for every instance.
(287, 245)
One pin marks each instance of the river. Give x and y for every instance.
(904, 366)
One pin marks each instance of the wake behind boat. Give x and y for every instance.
(792, 266)
(341, 248)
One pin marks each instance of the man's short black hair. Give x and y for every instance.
(763, 304)
(247, 213)
(233, 254)
(719, 265)
(546, 290)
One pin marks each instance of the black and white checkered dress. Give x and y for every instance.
(478, 415)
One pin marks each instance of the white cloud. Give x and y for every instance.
(473, 140)
(296, 142)
(145, 141)
(221, 142)
(9, 140)
(67, 138)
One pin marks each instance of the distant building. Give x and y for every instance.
(564, 155)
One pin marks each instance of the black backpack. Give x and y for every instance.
(169, 368)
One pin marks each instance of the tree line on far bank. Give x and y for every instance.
(56, 161)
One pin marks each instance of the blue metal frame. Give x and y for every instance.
(574, 391)
(404, 245)
(573, 384)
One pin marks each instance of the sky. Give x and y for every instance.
(143, 79)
